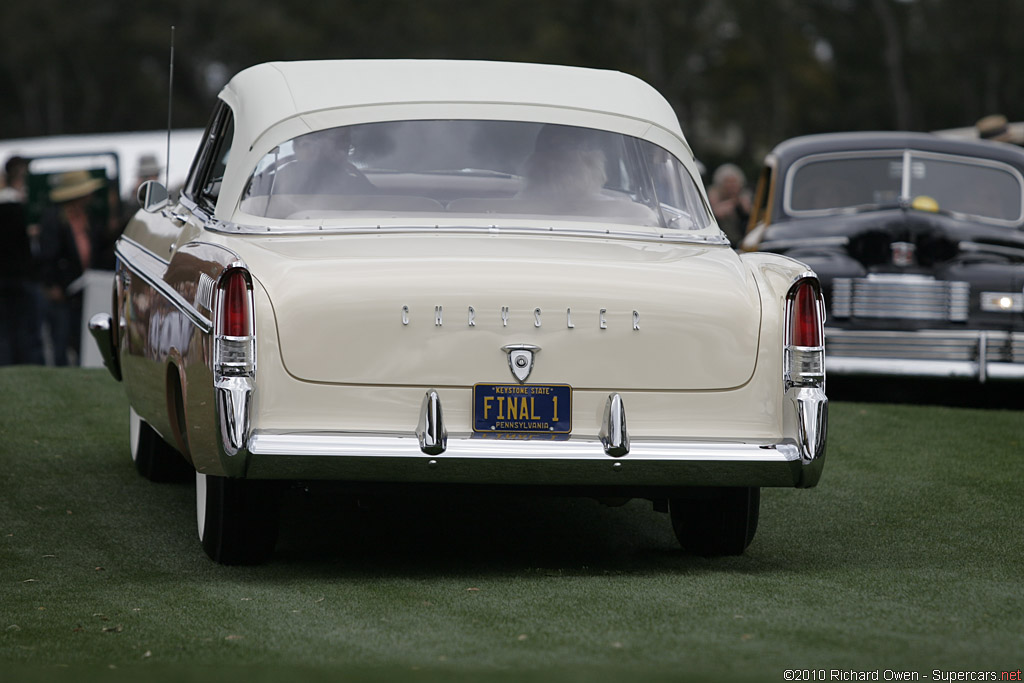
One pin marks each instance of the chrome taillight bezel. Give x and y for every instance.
(234, 355)
(803, 365)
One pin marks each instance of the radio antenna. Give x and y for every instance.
(170, 99)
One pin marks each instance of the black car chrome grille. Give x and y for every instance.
(911, 297)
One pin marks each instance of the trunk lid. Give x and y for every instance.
(605, 314)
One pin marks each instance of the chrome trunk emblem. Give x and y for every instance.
(520, 359)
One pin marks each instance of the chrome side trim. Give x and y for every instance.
(101, 326)
(128, 241)
(431, 432)
(128, 250)
(614, 436)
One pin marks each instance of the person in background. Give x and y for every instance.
(730, 201)
(20, 328)
(69, 241)
(149, 169)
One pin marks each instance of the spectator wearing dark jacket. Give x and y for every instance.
(20, 339)
(69, 242)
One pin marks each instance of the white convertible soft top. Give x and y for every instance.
(278, 101)
(271, 93)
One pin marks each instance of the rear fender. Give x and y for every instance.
(165, 332)
(804, 408)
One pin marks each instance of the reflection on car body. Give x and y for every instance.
(917, 241)
(459, 273)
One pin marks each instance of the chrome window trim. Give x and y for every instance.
(913, 153)
(213, 138)
(231, 228)
(204, 216)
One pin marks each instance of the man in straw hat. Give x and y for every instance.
(69, 242)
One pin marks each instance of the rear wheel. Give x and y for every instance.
(237, 518)
(716, 521)
(153, 457)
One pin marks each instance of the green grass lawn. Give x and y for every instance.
(908, 556)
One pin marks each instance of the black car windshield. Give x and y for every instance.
(470, 168)
(833, 183)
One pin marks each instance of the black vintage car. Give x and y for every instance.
(918, 242)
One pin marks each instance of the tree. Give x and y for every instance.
(741, 74)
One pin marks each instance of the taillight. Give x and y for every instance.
(805, 319)
(805, 349)
(235, 320)
(234, 352)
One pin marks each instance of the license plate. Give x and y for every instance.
(522, 408)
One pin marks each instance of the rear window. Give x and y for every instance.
(468, 168)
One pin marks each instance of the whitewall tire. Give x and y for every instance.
(237, 518)
(154, 458)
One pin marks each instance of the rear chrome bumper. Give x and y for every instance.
(101, 327)
(429, 454)
(601, 461)
(980, 355)
(467, 460)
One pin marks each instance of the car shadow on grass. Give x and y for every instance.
(326, 530)
(325, 527)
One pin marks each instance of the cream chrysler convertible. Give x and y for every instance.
(460, 273)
